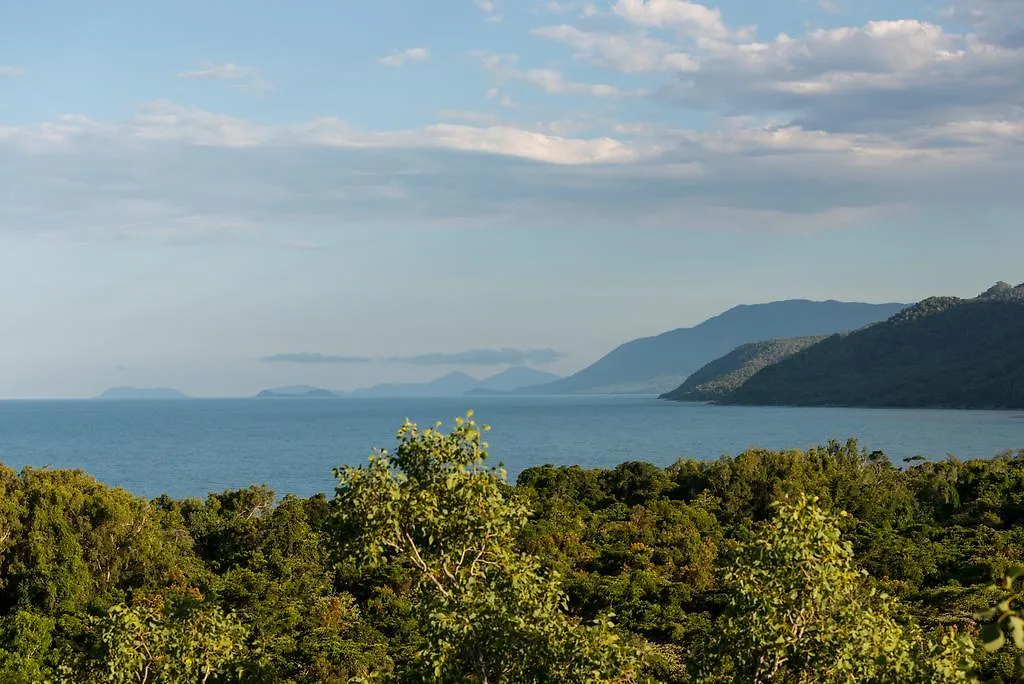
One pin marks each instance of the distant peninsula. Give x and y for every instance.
(138, 394)
(723, 376)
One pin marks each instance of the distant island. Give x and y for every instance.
(653, 365)
(138, 394)
(312, 393)
(943, 352)
(454, 384)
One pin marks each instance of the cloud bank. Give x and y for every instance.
(801, 132)
(314, 358)
(484, 357)
(471, 357)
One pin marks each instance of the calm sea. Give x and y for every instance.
(189, 448)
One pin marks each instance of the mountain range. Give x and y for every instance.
(653, 365)
(453, 384)
(940, 352)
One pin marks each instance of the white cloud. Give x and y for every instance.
(629, 53)
(10, 71)
(177, 173)
(397, 59)
(554, 82)
(829, 127)
(227, 72)
(883, 75)
(490, 8)
(689, 18)
(505, 68)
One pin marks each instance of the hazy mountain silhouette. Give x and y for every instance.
(311, 393)
(941, 352)
(512, 379)
(136, 393)
(291, 391)
(661, 363)
(453, 384)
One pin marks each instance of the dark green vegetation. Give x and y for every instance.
(653, 365)
(722, 376)
(826, 565)
(941, 352)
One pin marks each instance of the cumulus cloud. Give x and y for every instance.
(484, 357)
(689, 18)
(10, 71)
(397, 59)
(831, 126)
(884, 75)
(314, 358)
(1000, 21)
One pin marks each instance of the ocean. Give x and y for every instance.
(192, 447)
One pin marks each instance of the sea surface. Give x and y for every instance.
(192, 447)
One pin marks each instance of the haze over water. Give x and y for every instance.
(189, 448)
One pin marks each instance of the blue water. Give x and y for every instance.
(189, 448)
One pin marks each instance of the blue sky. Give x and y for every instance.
(187, 188)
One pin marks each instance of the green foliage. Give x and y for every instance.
(160, 641)
(428, 566)
(433, 505)
(1004, 622)
(800, 611)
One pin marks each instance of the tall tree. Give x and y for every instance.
(492, 613)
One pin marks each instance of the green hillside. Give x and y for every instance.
(726, 374)
(941, 352)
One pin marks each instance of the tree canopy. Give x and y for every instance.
(829, 564)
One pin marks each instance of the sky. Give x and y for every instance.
(223, 197)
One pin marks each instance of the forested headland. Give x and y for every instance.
(829, 564)
(943, 352)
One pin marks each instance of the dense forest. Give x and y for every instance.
(943, 352)
(723, 376)
(824, 565)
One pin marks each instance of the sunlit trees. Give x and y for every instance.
(800, 611)
(491, 613)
